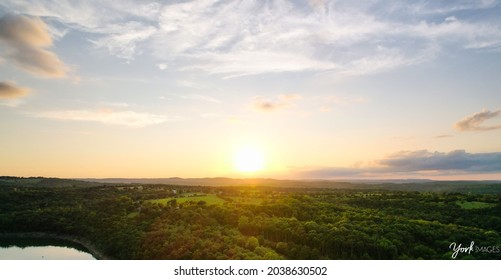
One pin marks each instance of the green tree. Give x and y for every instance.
(252, 243)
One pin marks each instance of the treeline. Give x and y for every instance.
(254, 223)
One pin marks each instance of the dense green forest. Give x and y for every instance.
(132, 221)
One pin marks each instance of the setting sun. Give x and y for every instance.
(248, 159)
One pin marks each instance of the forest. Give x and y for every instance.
(159, 221)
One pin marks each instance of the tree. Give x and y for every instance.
(252, 243)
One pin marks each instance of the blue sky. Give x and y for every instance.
(324, 89)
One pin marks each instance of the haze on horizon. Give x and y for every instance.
(299, 89)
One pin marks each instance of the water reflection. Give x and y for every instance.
(41, 249)
(43, 253)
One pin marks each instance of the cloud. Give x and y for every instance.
(39, 62)
(120, 26)
(26, 38)
(475, 121)
(90, 16)
(445, 7)
(384, 59)
(10, 90)
(458, 160)
(334, 37)
(247, 37)
(443, 136)
(267, 105)
(414, 163)
(162, 66)
(124, 43)
(201, 98)
(188, 83)
(245, 63)
(24, 31)
(109, 117)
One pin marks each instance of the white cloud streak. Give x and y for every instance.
(124, 44)
(201, 97)
(108, 117)
(446, 7)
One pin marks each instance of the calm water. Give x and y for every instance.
(41, 249)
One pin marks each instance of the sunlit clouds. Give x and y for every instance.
(418, 164)
(24, 31)
(268, 105)
(458, 161)
(26, 39)
(9, 90)
(476, 121)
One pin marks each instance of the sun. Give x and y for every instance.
(248, 159)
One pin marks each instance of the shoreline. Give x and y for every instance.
(83, 242)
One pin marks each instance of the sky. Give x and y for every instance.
(313, 89)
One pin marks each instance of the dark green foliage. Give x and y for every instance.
(257, 223)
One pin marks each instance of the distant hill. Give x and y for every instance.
(12, 181)
(226, 182)
(479, 187)
(403, 185)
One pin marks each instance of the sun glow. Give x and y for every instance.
(248, 159)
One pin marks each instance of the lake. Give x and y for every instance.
(41, 249)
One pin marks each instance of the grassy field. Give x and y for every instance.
(474, 204)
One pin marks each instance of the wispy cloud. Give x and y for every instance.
(109, 117)
(102, 17)
(245, 63)
(124, 42)
(268, 105)
(459, 160)
(162, 66)
(120, 25)
(247, 37)
(445, 6)
(443, 136)
(281, 36)
(9, 90)
(201, 97)
(475, 122)
(26, 38)
(413, 163)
